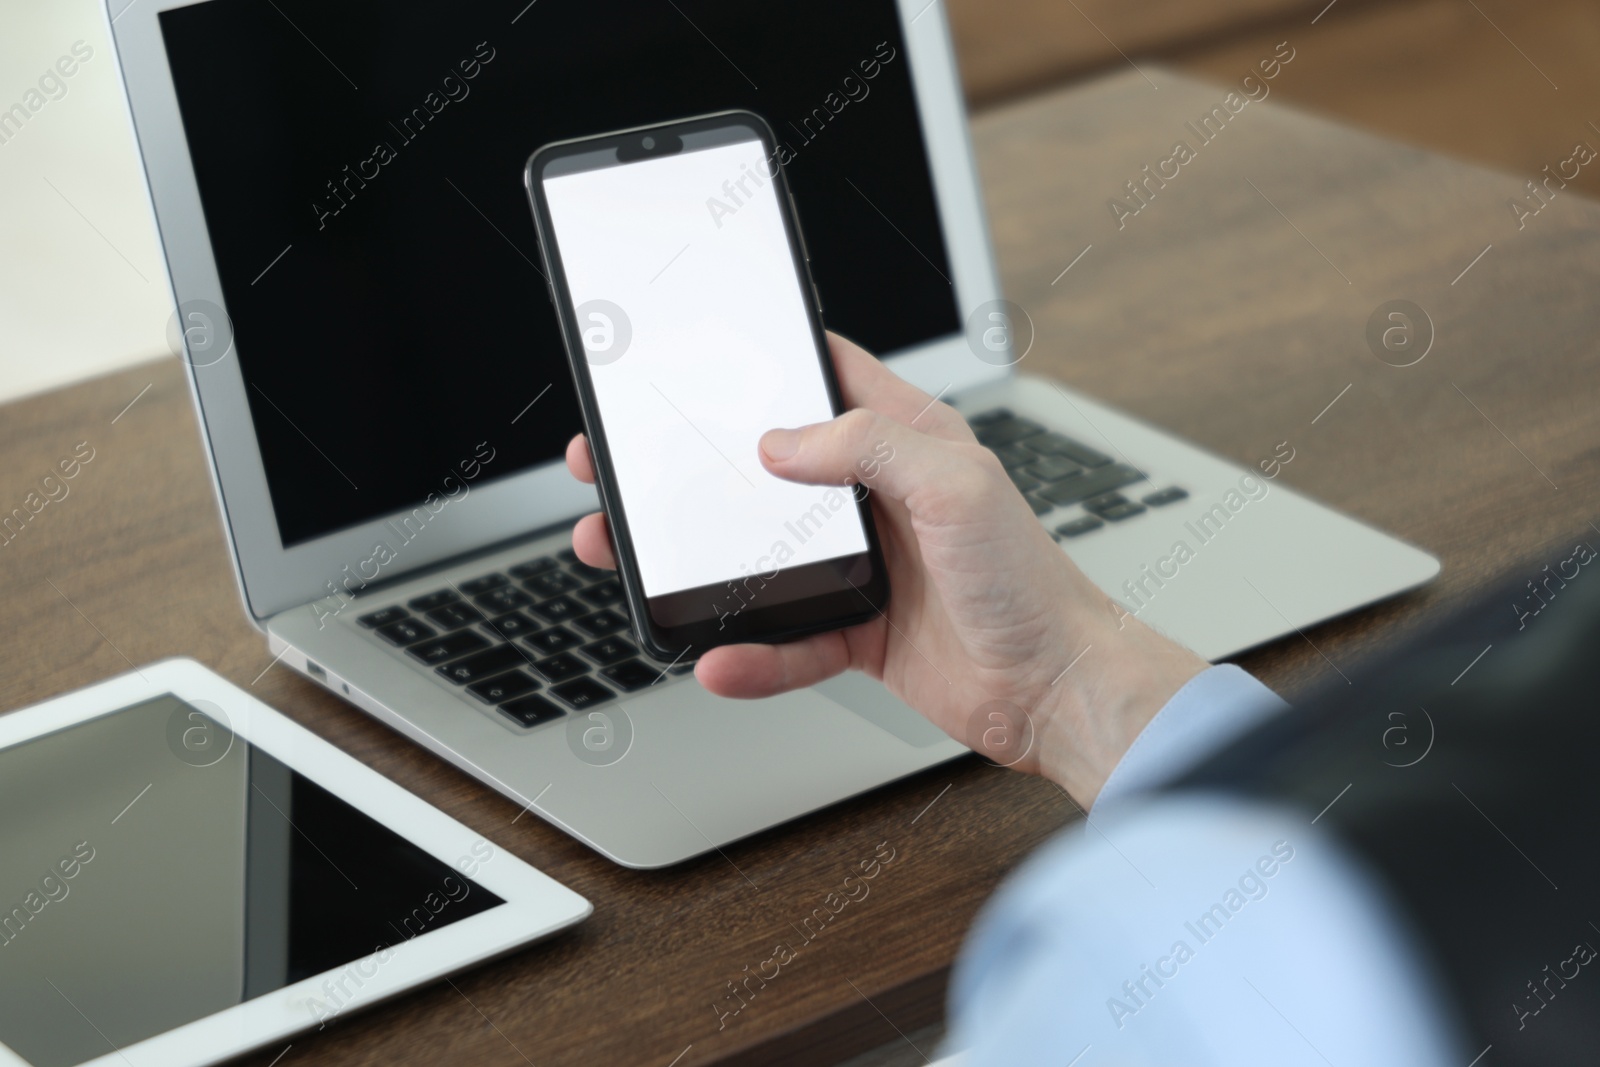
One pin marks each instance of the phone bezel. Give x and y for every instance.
(786, 619)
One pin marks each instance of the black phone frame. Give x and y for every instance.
(664, 630)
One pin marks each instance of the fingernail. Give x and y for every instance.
(780, 444)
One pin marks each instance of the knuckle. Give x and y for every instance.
(982, 460)
(855, 428)
(982, 470)
(950, 421)
(858, 421)
(971, 474)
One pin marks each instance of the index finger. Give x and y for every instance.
(579, 461)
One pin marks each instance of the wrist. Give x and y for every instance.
(1092, 713)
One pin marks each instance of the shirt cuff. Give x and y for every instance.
(1216, 706)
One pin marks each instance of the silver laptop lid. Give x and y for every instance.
(374, 360)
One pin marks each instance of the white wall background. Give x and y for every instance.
(81, 285)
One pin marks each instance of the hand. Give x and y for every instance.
(984, 606)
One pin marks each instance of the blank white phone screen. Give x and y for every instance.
(694, 323)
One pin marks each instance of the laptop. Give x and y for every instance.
(384, 398)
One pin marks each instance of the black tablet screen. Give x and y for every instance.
(155, 869)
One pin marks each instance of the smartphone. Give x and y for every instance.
(692, 326)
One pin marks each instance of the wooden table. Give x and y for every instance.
(1232, 309)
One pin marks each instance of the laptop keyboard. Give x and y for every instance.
(533, 641)
(552, 635)
(1053, 471)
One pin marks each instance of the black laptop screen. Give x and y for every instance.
(360, 169)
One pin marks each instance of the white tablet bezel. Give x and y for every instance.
(273, 578)
(536, 906)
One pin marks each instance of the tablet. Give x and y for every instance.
(186, 875)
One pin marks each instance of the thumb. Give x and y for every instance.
(904, 464)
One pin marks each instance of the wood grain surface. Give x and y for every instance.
(1512, 85)
(1231, 312)
(1233, 309)
(1509, 83)
(1013, 47)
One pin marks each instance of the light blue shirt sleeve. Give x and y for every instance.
(1198, 929)
(1217, 706)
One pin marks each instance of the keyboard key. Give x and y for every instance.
(989, 418)
(1023, 481)
(448, 647)
(1079, 527)
(603, 593)
(567, 555)
(600, 623)
(609, 650)
(455, 616)
(560, 667)
(1053, 468)
(632, 675)
(1091, 484)
(405, 632)
(1054, 444)
(1166, 496)
(503, 687)
(484, 584)
(558, 609)
(531, 710)
(383, 617)
(1049, 444)
(481, 665)
(678, 669)
(551, 583)
(1013, 456)
(513, 626)
(499, 601)
(1007, 431)
(588, 573)
(434, 600)
(583, 693)
(523, 571)
(1103, 502)
(1126, 510)
(1040, 507)
(556, 639)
